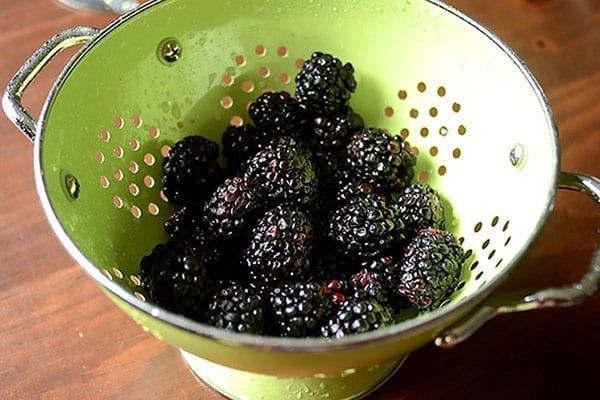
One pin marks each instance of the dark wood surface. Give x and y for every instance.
(60, 338)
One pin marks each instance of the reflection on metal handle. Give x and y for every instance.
(553, 297)
(11, 101)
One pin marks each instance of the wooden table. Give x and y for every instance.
(60, 338)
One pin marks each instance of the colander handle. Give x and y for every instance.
(565, 296)
(11, 101)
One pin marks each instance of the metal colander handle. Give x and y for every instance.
(565, 296)
(11, 101)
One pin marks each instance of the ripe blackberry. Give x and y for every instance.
(174, 280)
(239, 144)
(430, 269)
(357, 317)
(283, 172)
(365, 286)
(187, 226)
(366, 226)
(277, 114)
(333, 131)
(348, 187)
(324, 84)
(385, 270)
(230, 207)
(421, 208)
(299, 310)
(279, 251)
(237, 308)
(380, 159)
(191, 170)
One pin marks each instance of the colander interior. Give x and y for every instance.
(479, 126)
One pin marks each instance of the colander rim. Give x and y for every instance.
(410, 327)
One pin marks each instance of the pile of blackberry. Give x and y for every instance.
(314, 228)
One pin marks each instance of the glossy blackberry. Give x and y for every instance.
(348, 187)
(239, 144)
(421, 208)
(187, 226)
(174, 280)
(280, 248)
(380, 159)
(191, 171)
(365, 287)
(277, 114)
(324, 84)
(230, 207)
(283, 172)
(299, 310)
(385, 270)
(237, 308)
(334, 131)
(430, 269)
(366, 226)
(357, 317)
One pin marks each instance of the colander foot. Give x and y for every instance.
(240, 385)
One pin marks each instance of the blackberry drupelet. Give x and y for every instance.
(337, 290)
(187, 226)
(174, 280)
(430, 269)
(283, 172)
(324, 84)
(239, 144)
(334, 131)
(280, 248)
(380, 159)
(366, 226)
(299, 310)
(191, 171)
(357, 317)
(237, 308)
(421, 208)
(230, 207)
(277, 114)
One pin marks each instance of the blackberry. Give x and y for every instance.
(237, 308)
(421, 208)
(230, 207)
(380, 159)
(333, 131)
(385, 270)
(174, 280)
(324, 84)
(365, 287)
(191, 170)
(366, 226)
(277, 114)
(239, 144)
(430, 269)
(187, 226)
(337, 290)
(357, 317)
(348, 187)
(283, 172)
(299, 310)
(279, 251)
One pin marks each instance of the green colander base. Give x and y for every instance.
(240, 385)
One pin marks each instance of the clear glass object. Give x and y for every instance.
(116, 6)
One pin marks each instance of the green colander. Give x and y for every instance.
(473, 112)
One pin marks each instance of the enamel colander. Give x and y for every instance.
(472, 111)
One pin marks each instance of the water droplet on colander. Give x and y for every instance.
(443, 131)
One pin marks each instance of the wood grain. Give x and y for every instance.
(60, 338)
